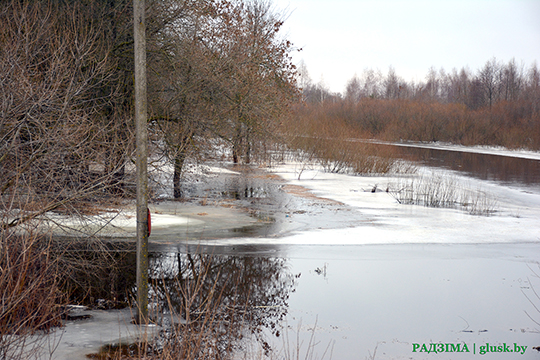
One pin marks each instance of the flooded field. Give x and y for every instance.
(325, 266)
(359, 301)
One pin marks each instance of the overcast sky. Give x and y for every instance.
(342, 37)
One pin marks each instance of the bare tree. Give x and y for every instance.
(263, 77)
(228, 75)
(533, 89)
(432, 87)
(392, 84)
(489, 80)
(304, 81)
(511, 81)
(458, 84)
(372, 81)
(353, 89)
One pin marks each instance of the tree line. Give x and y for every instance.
(218, 70)
(499, 104)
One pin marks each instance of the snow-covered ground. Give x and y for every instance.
(81, 337)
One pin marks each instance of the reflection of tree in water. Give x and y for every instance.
(220, 299)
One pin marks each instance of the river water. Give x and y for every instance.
(508, 169)
(370, 301)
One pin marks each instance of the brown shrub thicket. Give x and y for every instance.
(497, 105)
(509, 124)
(327, 139)
(30, 293)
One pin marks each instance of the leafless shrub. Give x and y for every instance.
(41, 275)
(94, 272)
(479, 202)
(335, 144)
(30, 294)
(340, 155)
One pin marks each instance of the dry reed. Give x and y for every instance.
(438, 190)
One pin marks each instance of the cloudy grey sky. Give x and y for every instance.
(342, 37)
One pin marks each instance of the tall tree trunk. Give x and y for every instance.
(177, 176)
(235, 153)
(247, 154)
(237, 144)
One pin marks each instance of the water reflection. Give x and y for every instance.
(211, 302)
(205, 303)
(360, 297)
(245, 192)
(97, 273)
(245, 183)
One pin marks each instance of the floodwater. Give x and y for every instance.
(358, 301)
(386, 301)
(389, 301)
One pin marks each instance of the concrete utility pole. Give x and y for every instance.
(139, 30)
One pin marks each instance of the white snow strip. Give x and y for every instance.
(123, 223)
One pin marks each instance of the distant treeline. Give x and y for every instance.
(497, 105)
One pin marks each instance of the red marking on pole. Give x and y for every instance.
(149, 221)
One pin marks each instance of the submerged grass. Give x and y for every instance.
(438, 190)
(296, 351)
